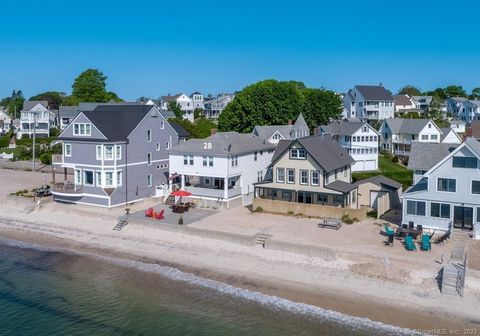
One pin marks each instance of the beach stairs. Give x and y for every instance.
(122, 222)
(29, 208)
(460, 237)
(261, 239)
(453, 277)
(170, 200)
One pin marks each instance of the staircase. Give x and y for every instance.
(261, 239)
(29, 208)
(170, 200)
(453, 278)
(122, 222)
(460, 237)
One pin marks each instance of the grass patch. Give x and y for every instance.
(389, 169)
(15, 151)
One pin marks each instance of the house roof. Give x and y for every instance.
(169, 99)
(223, 144)
(407, 126)
(341, 186)
(181, 132)
(446, 131)
(116, 122)
(326, 152)
(300, 123)
(381, 181)
(68, 111)
(458, 99)
(427, 99)
(457, 122)
(473, 144)
(421, 185)
(374, 92)
(168, 114)
(342, 127)
(29, 104)
(266, 132)
(402, 100)
(425, 155)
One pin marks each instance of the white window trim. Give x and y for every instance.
(149, 155)
(78, 177)
(277, 179)
(287, 175)
(300, 176)
(113, 179)
(119, 173)
(93, 177)
(318, 178)
(66, 152)
(97, 154)
(149, 135)
(158, 146)
(105, 153)
(101, 178)
(78, 133)
(118, 152)
(149, 180)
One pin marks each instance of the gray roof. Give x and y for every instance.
(445, 132)
(29, 104)
(407, 126)
(374, 92)
(342, 127)
(341, 186)
(458, 99)
(181, 132)
(427, 99)
(300, 124)
(224, 144)
(168, 114)
(84, 106)
(326, 152)
(457, 122)
(425, 155)
(68, 111)
(266, 132)
(402, 100)
(474, 145)
(421, 185)
(381, 181)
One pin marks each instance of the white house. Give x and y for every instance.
(469, 110)
(422, 102)
(359, 139)
(397, 135)
(274, 133)
(183, 100)
(198, 101)
(458, 126)
(369, 103)
(215, 106)
(220, 170)
(448, 195)
(5, 120)
(36, 112)
(403, 103)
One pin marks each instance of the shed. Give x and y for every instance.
(379, 193)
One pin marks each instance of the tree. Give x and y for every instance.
(176, 109)
(90, 86)
(475, 93)
(54, 98)
(320, 106)
(14, 103)
(455, 91)
(438, 92)
(198, 113)
(410, 90)
(435, 113)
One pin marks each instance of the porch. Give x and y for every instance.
(209, 187)
(401, 149)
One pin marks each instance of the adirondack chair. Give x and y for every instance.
(159, 215)
(149, 212)
(410, 244)
(426, 245)
(389, 231)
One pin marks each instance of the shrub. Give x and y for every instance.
(46, 158)
(259, 209)
(395, 159)
(346, 219)
(372, 214)
(290, 213)
(54, 132)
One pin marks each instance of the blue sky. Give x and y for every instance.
(150, 48)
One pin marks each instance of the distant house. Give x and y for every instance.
(422, 102)
(274, 133)
(66, 114)
(310, 170)
(458, 126)
(358, 139)
(215, 106)
(118, 154)
(397, 135)
(469, 110)
(5, 120)
(184, 101)
(449, 136)
(454, 105)
(425, 155)
(369, 103)
(36, 112)
(198, 101)
(447, 198)
(220, 170)
(403, 103)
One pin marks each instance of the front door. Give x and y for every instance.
(304, 197)
(463, 218)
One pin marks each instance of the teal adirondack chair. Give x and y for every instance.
(389, 231)
(426, 245)
(410, 244)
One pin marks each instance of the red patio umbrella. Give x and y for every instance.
(181, 193)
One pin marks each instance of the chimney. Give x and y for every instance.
(213, 131)
(290, 121)
(316, 131)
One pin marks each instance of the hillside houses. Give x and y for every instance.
(369, 103)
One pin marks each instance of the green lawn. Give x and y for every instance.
(10, 150)
(389, 169)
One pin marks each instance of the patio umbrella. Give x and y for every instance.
(181, 193)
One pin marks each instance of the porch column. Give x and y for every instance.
(183, 182)
(225, 188)
(65, 174)
(53, 175)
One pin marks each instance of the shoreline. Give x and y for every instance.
(336, 299)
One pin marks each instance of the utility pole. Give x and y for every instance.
(34, 134)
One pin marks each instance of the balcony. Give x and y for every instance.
(67, 188)
(371, 116)
(401, 152)
(402, 141)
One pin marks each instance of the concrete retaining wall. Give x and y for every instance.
(310, 250)
(309, 210)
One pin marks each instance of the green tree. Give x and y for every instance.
(54, 98)
(14, 103)
(176, 109)
(410, 90)
(475, 93)
(435, 113)
(438, 92)
(455, 91)
(320, 106)
(91, 86)
(198, 113)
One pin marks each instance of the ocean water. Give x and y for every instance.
(45, 291)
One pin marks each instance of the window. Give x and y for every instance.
(206, 181)
(444, 184)
(149, 158)
(68, 150)
(167, 145)
(149, 135)
(315, 178)
(478, 214)
(255, 156)
(158, 146)
(280, 175)
(476, 187)
(149, 180)
(354, 196)
(362, 138)
(234, 161)
(99, 152)
(204, 161)
(88, 177)
(434, 136)
(82, 129)
(109, 179)
(190, 160)
(119, 178)
(78, 176)
(304, 177)
(210, 161)
(259, 176)
(425, 137)
(440, 210)
(185, 159)
(416, 208)
(365, 129)
(108, 152)
(464, 162)
(290, 175)
(298, 154)
(118, 152)
(162, 125)
(98, 177)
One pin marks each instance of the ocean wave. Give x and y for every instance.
(356, 323)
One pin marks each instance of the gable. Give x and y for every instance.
(432, 129)
(276, 136)
(68, 132)
(462, 151)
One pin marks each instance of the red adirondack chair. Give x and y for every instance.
(149, 212)
(159, 215)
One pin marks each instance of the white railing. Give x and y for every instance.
(214, 193)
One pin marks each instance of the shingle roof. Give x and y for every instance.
(29, 104)
(425, 155)
(427, 99)
(266, 132)
(341, 186)
(342, 127)
(223, 144)
(406, 126)
(179, 129)
(421, 185)
(300, 123)
(168, 114)
(474, 145)
(374, 92)
(446, 131)
(457, 122)
(68, 111)
(326, 152)
(381, 181)
(116, 122)
(402, 100)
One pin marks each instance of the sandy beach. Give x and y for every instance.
(364, 279)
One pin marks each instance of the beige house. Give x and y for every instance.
(379, 193)
(310, 170)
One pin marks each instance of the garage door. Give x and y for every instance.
(371, 165)
(374, 199)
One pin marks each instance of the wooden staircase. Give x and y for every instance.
(261, 239)
(453, 277)
(169, 200)
(122, 222)
(460, 237)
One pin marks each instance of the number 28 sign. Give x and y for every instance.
(207, 145)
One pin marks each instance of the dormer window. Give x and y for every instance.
(298, 154)
(82, 129)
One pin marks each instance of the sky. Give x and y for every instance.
(151, 48)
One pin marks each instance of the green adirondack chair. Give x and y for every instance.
(410, 244)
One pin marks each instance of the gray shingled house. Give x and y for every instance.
(275, 133)
(118, 154)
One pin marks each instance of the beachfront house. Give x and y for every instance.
(397, 135)
(469, 110)
(66, 114)
(274, 133)
(358, 139)
(311, 170)
(117, 154)
(36, 113)
(454, 105)
(220, 170)
(448, 195)
(197, 100)
(369, 103)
